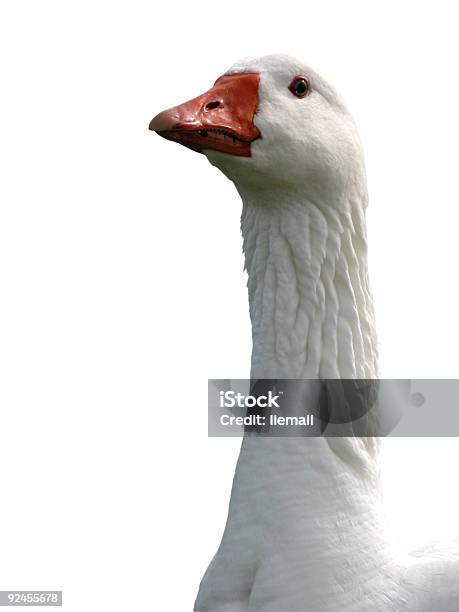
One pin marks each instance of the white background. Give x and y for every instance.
(121, 276)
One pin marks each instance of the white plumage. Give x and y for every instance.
(305, 529)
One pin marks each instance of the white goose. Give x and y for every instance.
(305, 529)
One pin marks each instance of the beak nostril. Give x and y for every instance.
(213, 105)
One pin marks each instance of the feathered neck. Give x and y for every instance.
(310, 302)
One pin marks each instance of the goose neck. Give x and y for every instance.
(310, 302)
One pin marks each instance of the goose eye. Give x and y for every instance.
(299, 86)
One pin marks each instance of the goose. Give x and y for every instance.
(305, 528)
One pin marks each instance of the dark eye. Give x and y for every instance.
(299, 86)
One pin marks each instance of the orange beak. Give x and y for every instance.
(221, 119)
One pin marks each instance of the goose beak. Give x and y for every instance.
(221, 119)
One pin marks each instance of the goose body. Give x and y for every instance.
(305, 529)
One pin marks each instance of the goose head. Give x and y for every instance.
(272, 125)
